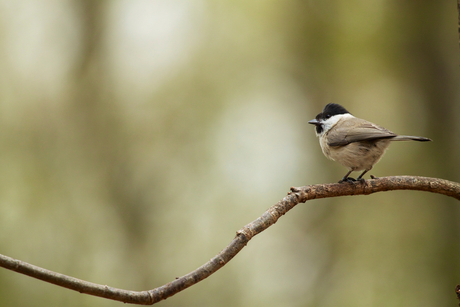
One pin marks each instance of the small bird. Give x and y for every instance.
(353, 142)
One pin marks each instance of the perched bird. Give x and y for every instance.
(353, 142)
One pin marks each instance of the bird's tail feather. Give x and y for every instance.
(410, 138)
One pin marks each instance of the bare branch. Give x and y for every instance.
(270, 217)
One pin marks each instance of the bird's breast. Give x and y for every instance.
(358, 155)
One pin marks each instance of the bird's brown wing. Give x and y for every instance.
(346, 132)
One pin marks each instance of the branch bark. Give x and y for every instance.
(270, 217)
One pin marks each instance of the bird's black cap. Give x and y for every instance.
(332, 109)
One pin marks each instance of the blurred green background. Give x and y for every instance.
(138, 136)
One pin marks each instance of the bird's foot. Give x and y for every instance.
(348, 179)
(373, 177)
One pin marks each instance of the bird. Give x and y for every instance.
(355, 143)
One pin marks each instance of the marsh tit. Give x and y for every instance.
(353, 142)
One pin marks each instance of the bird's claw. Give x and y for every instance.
(348, 179)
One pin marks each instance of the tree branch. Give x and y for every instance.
(270, 217)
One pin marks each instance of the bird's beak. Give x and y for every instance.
(314, 122)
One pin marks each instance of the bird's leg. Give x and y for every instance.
(346, 178)
(360, 178)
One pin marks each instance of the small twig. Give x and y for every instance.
(270, 217)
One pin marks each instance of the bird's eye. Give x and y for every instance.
(328, 116)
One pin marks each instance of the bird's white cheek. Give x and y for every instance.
(330, 122)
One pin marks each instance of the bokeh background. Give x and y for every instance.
(138, 136)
